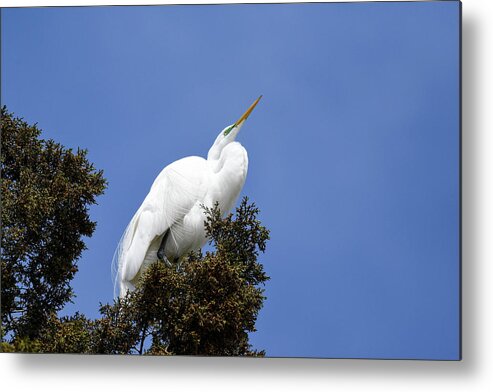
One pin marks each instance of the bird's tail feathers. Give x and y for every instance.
(119, 255)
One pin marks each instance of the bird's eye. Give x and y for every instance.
(228, 130)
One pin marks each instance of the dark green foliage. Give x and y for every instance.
(21, 345)
(72, 334)
(116, 332)
(46, 193)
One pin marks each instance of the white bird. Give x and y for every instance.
(170, 222)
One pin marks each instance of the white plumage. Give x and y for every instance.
(173, 207)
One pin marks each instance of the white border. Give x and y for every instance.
(37, 3)
(474, 373)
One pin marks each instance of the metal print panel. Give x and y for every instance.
(278, 180)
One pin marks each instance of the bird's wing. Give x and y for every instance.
(174, 192)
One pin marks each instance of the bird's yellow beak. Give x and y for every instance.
(247, 113)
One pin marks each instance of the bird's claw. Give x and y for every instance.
(164, 259)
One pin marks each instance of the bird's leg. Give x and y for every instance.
(160, 253)
(177, 262)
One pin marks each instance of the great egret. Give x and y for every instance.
(170, 222)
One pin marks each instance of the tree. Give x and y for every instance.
(46, 193)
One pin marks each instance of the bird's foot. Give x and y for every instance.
(164, 259)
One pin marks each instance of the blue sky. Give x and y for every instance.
(354, 149)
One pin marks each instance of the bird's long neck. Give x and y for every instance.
(230, 172)
(214, 156)
(232, 160)
(217, 156)
(215, 164)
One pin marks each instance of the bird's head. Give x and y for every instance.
(228, 134)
